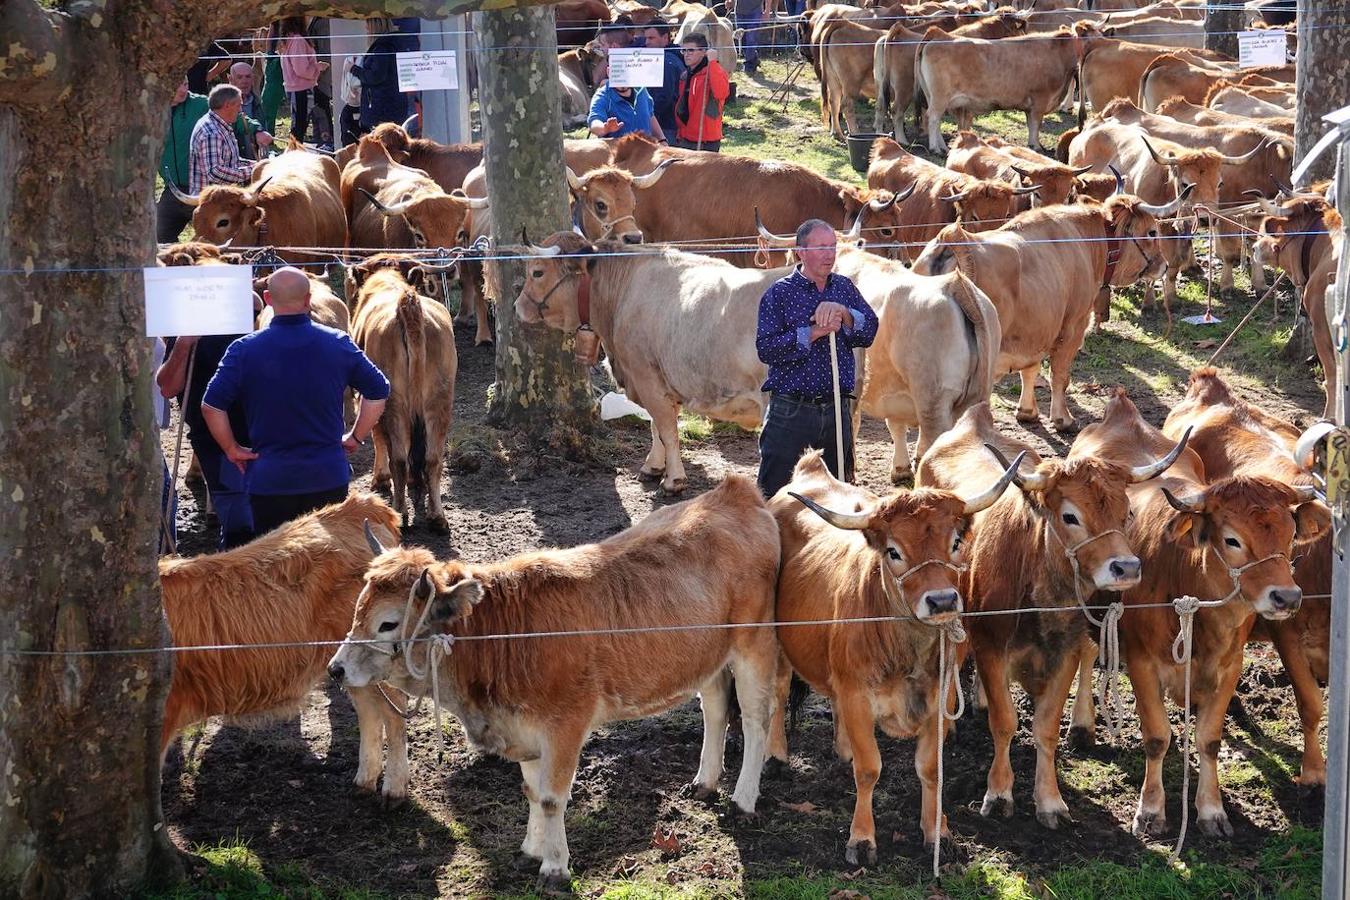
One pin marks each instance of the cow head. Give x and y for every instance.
(881, 209)
(1056, 183)
(1196, 169)
(1084, 505)
(395, 140)
(1288, 226)
(423, 275)
(189, 253)
(435, 218)
(1270, 160)
(920, 537)
(554, 274)
(605, 201)
(1135, 223)
(406, 596)
(982, 205)
(228, 213)
(1251, 525)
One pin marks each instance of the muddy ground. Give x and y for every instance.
(286, 792)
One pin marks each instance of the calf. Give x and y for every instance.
(703, 564)
(849, 554)
(296, 584)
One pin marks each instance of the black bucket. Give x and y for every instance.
(860, 150)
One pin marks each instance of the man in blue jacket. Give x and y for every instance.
(290, 379)
(797, 315)
(657, 34)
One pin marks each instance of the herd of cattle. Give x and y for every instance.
(987, 266)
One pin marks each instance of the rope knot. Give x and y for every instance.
(1108, 655)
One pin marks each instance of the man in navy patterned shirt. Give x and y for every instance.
(797, 314)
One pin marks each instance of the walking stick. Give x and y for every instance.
(838, 413)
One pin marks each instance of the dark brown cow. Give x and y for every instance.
(1235, 438)
(1230, 540)
(1058, 538)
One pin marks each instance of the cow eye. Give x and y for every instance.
(387, 626)
(957, 543)
(537, 273)
(601, 207)
(1233, 542)
(893, 554)
(222, 223)
(1153, 232)
(1070, 519)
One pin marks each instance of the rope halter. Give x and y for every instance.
(1236, 574)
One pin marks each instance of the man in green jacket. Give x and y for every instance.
(170, 214)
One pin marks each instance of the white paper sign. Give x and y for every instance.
(428, 70)
(636, 67)
(198, 300)
(1262, 48)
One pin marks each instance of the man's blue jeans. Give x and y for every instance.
(750, 21)
(793, 425)
(226, 487)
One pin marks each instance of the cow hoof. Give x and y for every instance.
(863, 853)
(1053, 818)
(439, 524)
(948, 852)
(776, 769)
(554, 885)
(673, 489)
(380, 483)
(645, 474)
(698, 792)
(1064, 426)
(1149, 824)
(997, 806)
(525, 861)
(361, 786)
(744, 816)
(1028, 418)
(1216, 826)
(1082, 738)
(393, 801)
(902, 479)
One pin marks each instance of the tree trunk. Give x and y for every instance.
(83, 92)
(540, 388)
(1323, 82)
(1221, 26)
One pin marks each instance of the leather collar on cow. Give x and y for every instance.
(584, 296)
(1305, 253)
(1114, 245)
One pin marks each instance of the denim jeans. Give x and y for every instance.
(226, 486)
(791, 427)
(750, 20)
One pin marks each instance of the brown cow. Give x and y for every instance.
(1243, 101)
(893, 74)
(845, 53)
(412, 339)
(578, 20)
(580, 71)
(446, 164)
(1113, 68)
(1045, 271)
(1249, 527)
(1174, 75)
(1304, 237)
(1185, 111)
(996, 160)
(325, 307)
(295, 584)
(849, 554)
(292, 202)
(940, 196)
(1058, 538)
(1031, 73)
(1234, 438)
(703, 564)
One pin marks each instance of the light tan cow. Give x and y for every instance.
(1192, 114)
(1239, 101)
(1159, 31)
(845, 53)
(1045, 272)
(412, 340)
(1113, 68)
(325, 307)
(703, 564)
(849, 554)
(995, 160)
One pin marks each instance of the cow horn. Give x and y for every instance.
(879, 206)
(375, 546)
(1157, 467)
(1033, 482)
(1306, 492)
(1083, 170)
(1264, 203)
(425, 588)
(1170, 161)
(1120, 179)
(642, 182)
(1162, 212)
(1191, 504)
(1023, 191)
(855, 230)
(188, 199)
(847, 521)
(257, 191)
(986, 499)
(954, 198)
(1305, 450)
(773, 240)
(470, 202)
(396, 210)
(1021, 171)
(536, 250)
(573, 182)
(1239, 160)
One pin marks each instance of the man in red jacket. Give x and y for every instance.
(704, 88)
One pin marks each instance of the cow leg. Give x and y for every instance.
(1051, 810)
(369, 719)
(993, 669)
(379, 469)
(926, 767)
(433, 466)
(1308, 696)
(1313, 305)
(654, 467)
(935, 142)
(530, 786)
(712, 696)
(1258, 272)
(1150, 818)
(1210, 714)
(777, 739)
(1083, 731)
(854, 717)
(558, 767)
(902, 470)
(1034, 130)
(1061, 366)
(755, 693)
(1027, 411)
(934, 420)
(1230, 257)
(666, 418)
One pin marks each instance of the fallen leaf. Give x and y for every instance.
(666, 841)
(1206, 344)
(806, 807)
(850, 876)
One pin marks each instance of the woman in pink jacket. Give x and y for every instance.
(300, 71)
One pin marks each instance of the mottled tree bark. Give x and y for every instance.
(1221, 25)
(1323, 82)
(540, 388)
(83, 95)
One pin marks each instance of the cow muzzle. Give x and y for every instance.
(1276, 603)
(345, 670)
(1119, 573)
(938, 607)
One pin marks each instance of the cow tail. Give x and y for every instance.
(883, 83)
(825, 113)
(920, 96)
(984, 337)
(797, 694)
(1082, 92)
(412, 332)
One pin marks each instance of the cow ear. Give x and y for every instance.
(1311, 520)
(1186, 530)
(458, 602)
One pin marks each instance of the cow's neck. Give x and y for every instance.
(1311, 250)
(599, 288)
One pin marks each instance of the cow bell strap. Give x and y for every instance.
(584, 296)
(1305, 253)
(1114, 247)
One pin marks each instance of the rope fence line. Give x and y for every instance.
(573, 633)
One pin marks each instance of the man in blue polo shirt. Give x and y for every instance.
(618, 111)
(289, 379)
(797, 314)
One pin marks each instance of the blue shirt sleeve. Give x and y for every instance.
(223, 389)
(599, 106)
(865, 321)
(365, 377)
(776, 340)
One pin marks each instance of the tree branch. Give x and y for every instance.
(34, 53)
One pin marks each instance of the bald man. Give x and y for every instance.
(289, 379)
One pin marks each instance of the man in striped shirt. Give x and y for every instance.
(215, 153)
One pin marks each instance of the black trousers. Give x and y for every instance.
(300, 113)
(171, 217)
(273, 510)
(793, 426)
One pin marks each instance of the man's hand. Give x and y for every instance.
(240, 456)
(827, 319)
(323, 66)
(349, 441)
(612, 125)
(264, 139)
